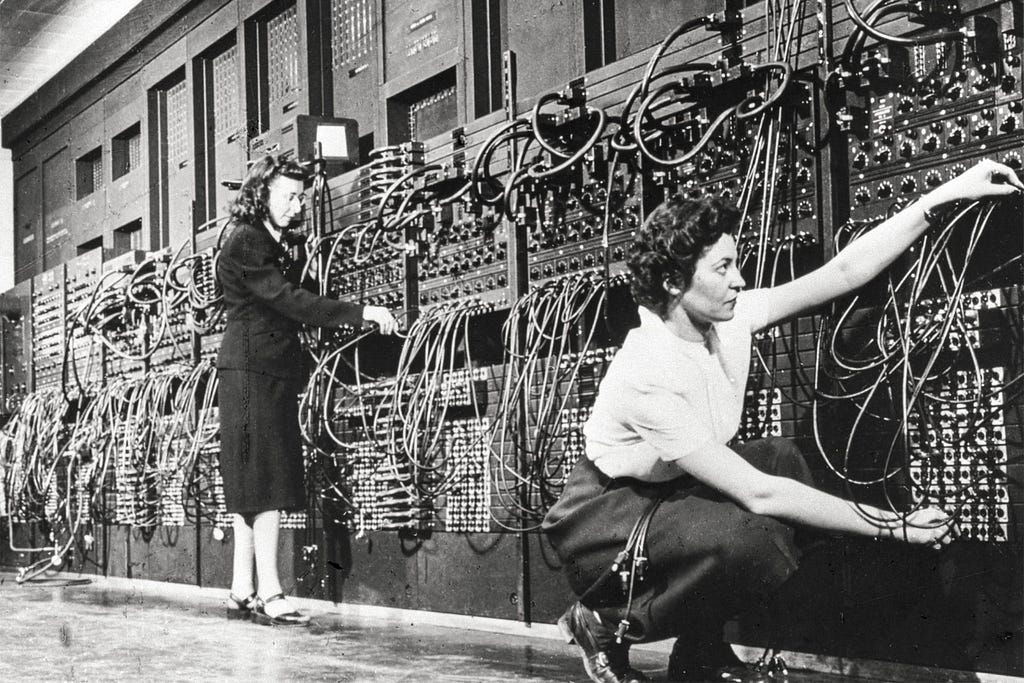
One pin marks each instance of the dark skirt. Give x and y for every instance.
(260, 442)
(709, 558)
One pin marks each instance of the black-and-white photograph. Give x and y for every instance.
(539, 341)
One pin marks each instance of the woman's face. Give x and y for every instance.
(711, 296)
(285, 202)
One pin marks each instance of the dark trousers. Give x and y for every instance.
(709, 558)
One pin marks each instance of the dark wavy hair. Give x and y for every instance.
(250, 205)
(672, 239)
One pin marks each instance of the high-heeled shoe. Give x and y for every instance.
(260, 616)
(240, 608)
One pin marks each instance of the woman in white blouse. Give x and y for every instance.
(667, 528)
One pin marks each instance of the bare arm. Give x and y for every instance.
(866, 257)
(669, 423)
(787, 499)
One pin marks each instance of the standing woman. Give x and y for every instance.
(260, 366)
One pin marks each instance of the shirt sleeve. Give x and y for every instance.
(261, 276)
(752, 309)
(670, 424)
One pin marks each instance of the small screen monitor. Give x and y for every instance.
(338, 141)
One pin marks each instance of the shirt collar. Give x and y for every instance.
(274, 233)
(652, 324)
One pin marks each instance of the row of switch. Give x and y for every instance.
(460, 263)
(937, 136)
(912, 184)
(465, 289)
(572, 264)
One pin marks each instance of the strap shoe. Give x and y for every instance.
(240, 608)
(260, 616)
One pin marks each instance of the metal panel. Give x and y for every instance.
(639, 25)
(354, 58)
(283, 55)
(28, 225)
(56, 200)
(548, 42)
(127, 199)
(434, 114)
(163, 554)
(228, 125)
(352, 31)
(170, 112)
(468, 574)
(416, 32)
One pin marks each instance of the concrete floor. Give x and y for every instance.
(141, 631)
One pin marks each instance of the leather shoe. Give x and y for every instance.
(692, 662)
(716, 662)
(260, 616)
(240, 608)
(604, 660)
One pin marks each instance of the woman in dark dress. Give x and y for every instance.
(260, 367)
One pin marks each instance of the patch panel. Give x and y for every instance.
(592, 366)
(762, 413)
(574, 447)
(466, 506)
(464, 387)
(48, 312)
(959, 459)
(172, 495)
(382, 496)
(297, 519)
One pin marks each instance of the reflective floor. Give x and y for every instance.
(95, 632)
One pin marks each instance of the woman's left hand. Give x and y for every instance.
(985, 179)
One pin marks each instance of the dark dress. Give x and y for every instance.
(709, 558)
(262, 370)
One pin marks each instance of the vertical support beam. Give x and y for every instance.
(7, 264)
(833, 163)
(196, 353)
(382, 134)
(519, 283)
(315, 25)
(203, 143)
(27, 336)
(156, 103)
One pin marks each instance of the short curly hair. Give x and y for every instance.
(250, 204)
(672, 239)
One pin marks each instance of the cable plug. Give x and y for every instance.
(639, 567)
(624, 580)
(620, 632)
